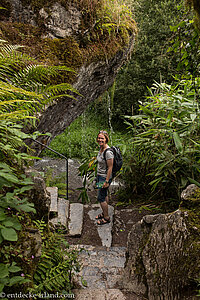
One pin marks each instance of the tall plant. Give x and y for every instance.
(165, 137)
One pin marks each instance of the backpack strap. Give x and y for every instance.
(104, 153)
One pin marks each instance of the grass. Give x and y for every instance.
(79, 139)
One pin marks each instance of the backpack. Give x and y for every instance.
(118, 160)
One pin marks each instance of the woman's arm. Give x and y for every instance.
(109, 171)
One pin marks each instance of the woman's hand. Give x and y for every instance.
(105, 185)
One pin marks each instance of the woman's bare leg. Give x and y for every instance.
(104, 206)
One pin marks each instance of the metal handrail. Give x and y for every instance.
(61, 155)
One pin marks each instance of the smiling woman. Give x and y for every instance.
(104, 175)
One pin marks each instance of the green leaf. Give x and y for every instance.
(193, 116)
(177, 141)
(4, 182)
(146, 111)
(25, 188)
(1, 238)
(3, 271)
(16, 223)
(194, 181)
(14, 269)
(26, 208)
(16, 279)
(2, 216)
(9, 177)
(9, 234)
(8, 223)
(1, 287)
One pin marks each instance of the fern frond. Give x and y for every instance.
(15, 115)
(22, 79)
(17, 90)
(13, 102)
(6, 49)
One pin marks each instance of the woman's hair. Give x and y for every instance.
(105, 134)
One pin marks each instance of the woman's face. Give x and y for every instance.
(101, 140)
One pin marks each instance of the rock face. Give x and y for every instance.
(163, 253)
(92, 81)
(60, 21)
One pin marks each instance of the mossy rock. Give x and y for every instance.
(164, 251)
(191, 198)
(98, 37)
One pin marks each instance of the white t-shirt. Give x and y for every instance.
(102, 165)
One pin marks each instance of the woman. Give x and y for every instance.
(104, 175)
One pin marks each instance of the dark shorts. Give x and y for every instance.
(102, 192)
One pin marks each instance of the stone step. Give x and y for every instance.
(101, 267)
(63, 213)
(98, 294)
(104, 231)
(75, 223)
(54, 199)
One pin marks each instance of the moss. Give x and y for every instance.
(64, 50)
(100, 35)
(19, 33)
(191, 207)
(53, 52)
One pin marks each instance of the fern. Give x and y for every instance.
(24, 90)
(25, 87)
(56, 267)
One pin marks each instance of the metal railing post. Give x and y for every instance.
(61, 155)
(67, 179)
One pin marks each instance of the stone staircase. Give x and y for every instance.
(102, 266)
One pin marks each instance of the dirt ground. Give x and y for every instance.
(124, 219)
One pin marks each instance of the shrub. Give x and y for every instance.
(165, 140)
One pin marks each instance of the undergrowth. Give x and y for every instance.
(57, 264)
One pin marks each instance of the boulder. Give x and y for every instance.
(163, 253)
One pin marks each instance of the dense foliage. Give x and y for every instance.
(165, 157)
(57, 264)
(24, 90)
(166, 149)
(149, 61)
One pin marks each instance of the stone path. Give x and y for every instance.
(105, 231)
(99, 294)
(101, 266)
